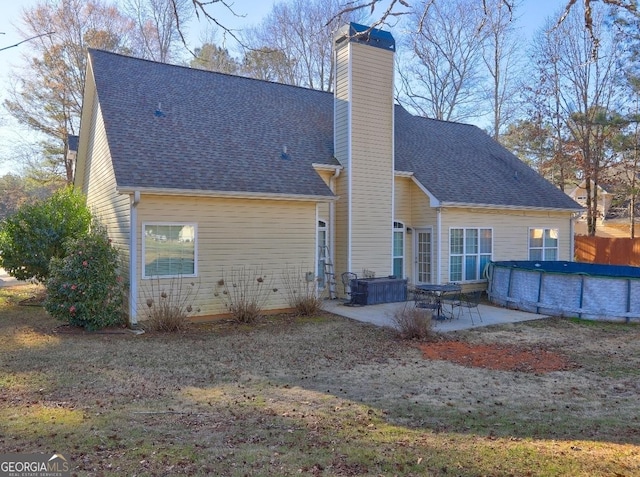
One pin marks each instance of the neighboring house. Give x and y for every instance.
(612, 221)
(604, 199)
(268, 175)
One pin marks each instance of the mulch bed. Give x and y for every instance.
(497, 356)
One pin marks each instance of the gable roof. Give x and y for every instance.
(462, 165)
(172, 127)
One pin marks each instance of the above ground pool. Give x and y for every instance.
(584, 290)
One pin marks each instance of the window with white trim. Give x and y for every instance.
(470, 250)
(169, 250)
(398, 249)
(322, 252)
(543, 244)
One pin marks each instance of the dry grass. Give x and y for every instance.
(315, 396)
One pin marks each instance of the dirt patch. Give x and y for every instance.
(497, 356)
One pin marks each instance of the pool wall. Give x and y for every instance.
(584, 290)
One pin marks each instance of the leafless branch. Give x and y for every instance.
(390, 11)
(628, 5)
(200, 9)
(28, 39)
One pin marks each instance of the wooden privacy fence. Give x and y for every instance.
(607, 250)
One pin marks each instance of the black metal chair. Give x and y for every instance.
(350, 285)
(470, 301)
(423, 300)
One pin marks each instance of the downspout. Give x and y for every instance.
(133, 258)
(572, 235)
(439, 244)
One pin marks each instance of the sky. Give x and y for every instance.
(532, 17)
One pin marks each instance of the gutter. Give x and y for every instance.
(225, 194)
(467, 205)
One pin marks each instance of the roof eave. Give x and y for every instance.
(226, 194)
(326, 167)
(467, 205)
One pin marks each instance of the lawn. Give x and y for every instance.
(316, 396)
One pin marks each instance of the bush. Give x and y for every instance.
(245, 292)
(414, 323)
(168, 307)
(84, 288)
(301, 292)
(35, 234)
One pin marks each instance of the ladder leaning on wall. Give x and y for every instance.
(329, 273)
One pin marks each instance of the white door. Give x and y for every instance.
(423, 253)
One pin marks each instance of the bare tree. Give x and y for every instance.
(47, 93)
(542, 94)
(442, 79)
(296, 39)
(157, 26)
(499, 52)
(583, 91)
(398, 8)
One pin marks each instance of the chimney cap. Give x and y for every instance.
(354, 32)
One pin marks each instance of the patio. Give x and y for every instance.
(382, 315)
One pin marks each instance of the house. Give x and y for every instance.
(270, 175)
(613, 221)
(604, 199)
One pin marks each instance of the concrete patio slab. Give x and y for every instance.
(382, 315)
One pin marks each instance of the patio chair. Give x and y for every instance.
(357, 297)
(469, 301)
(423, 300)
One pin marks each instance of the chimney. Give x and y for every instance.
(363, 143)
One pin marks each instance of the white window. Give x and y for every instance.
(470, 250)
(169, 250)
(398, 249)
(323, 248)
(543, 244)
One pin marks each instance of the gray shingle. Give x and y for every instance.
(172, 127)
(460, 163)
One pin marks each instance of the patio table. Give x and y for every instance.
(438, 291)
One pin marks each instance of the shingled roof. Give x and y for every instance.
(459, 164)
(172, 127)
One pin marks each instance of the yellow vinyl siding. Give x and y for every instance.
(370, 169)
(341, 233)
(422, 214)
(341, 107)
(231, 233)
(323, 207)
(99, 186)
(402, 200)
(510, 231)
(402, 213)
